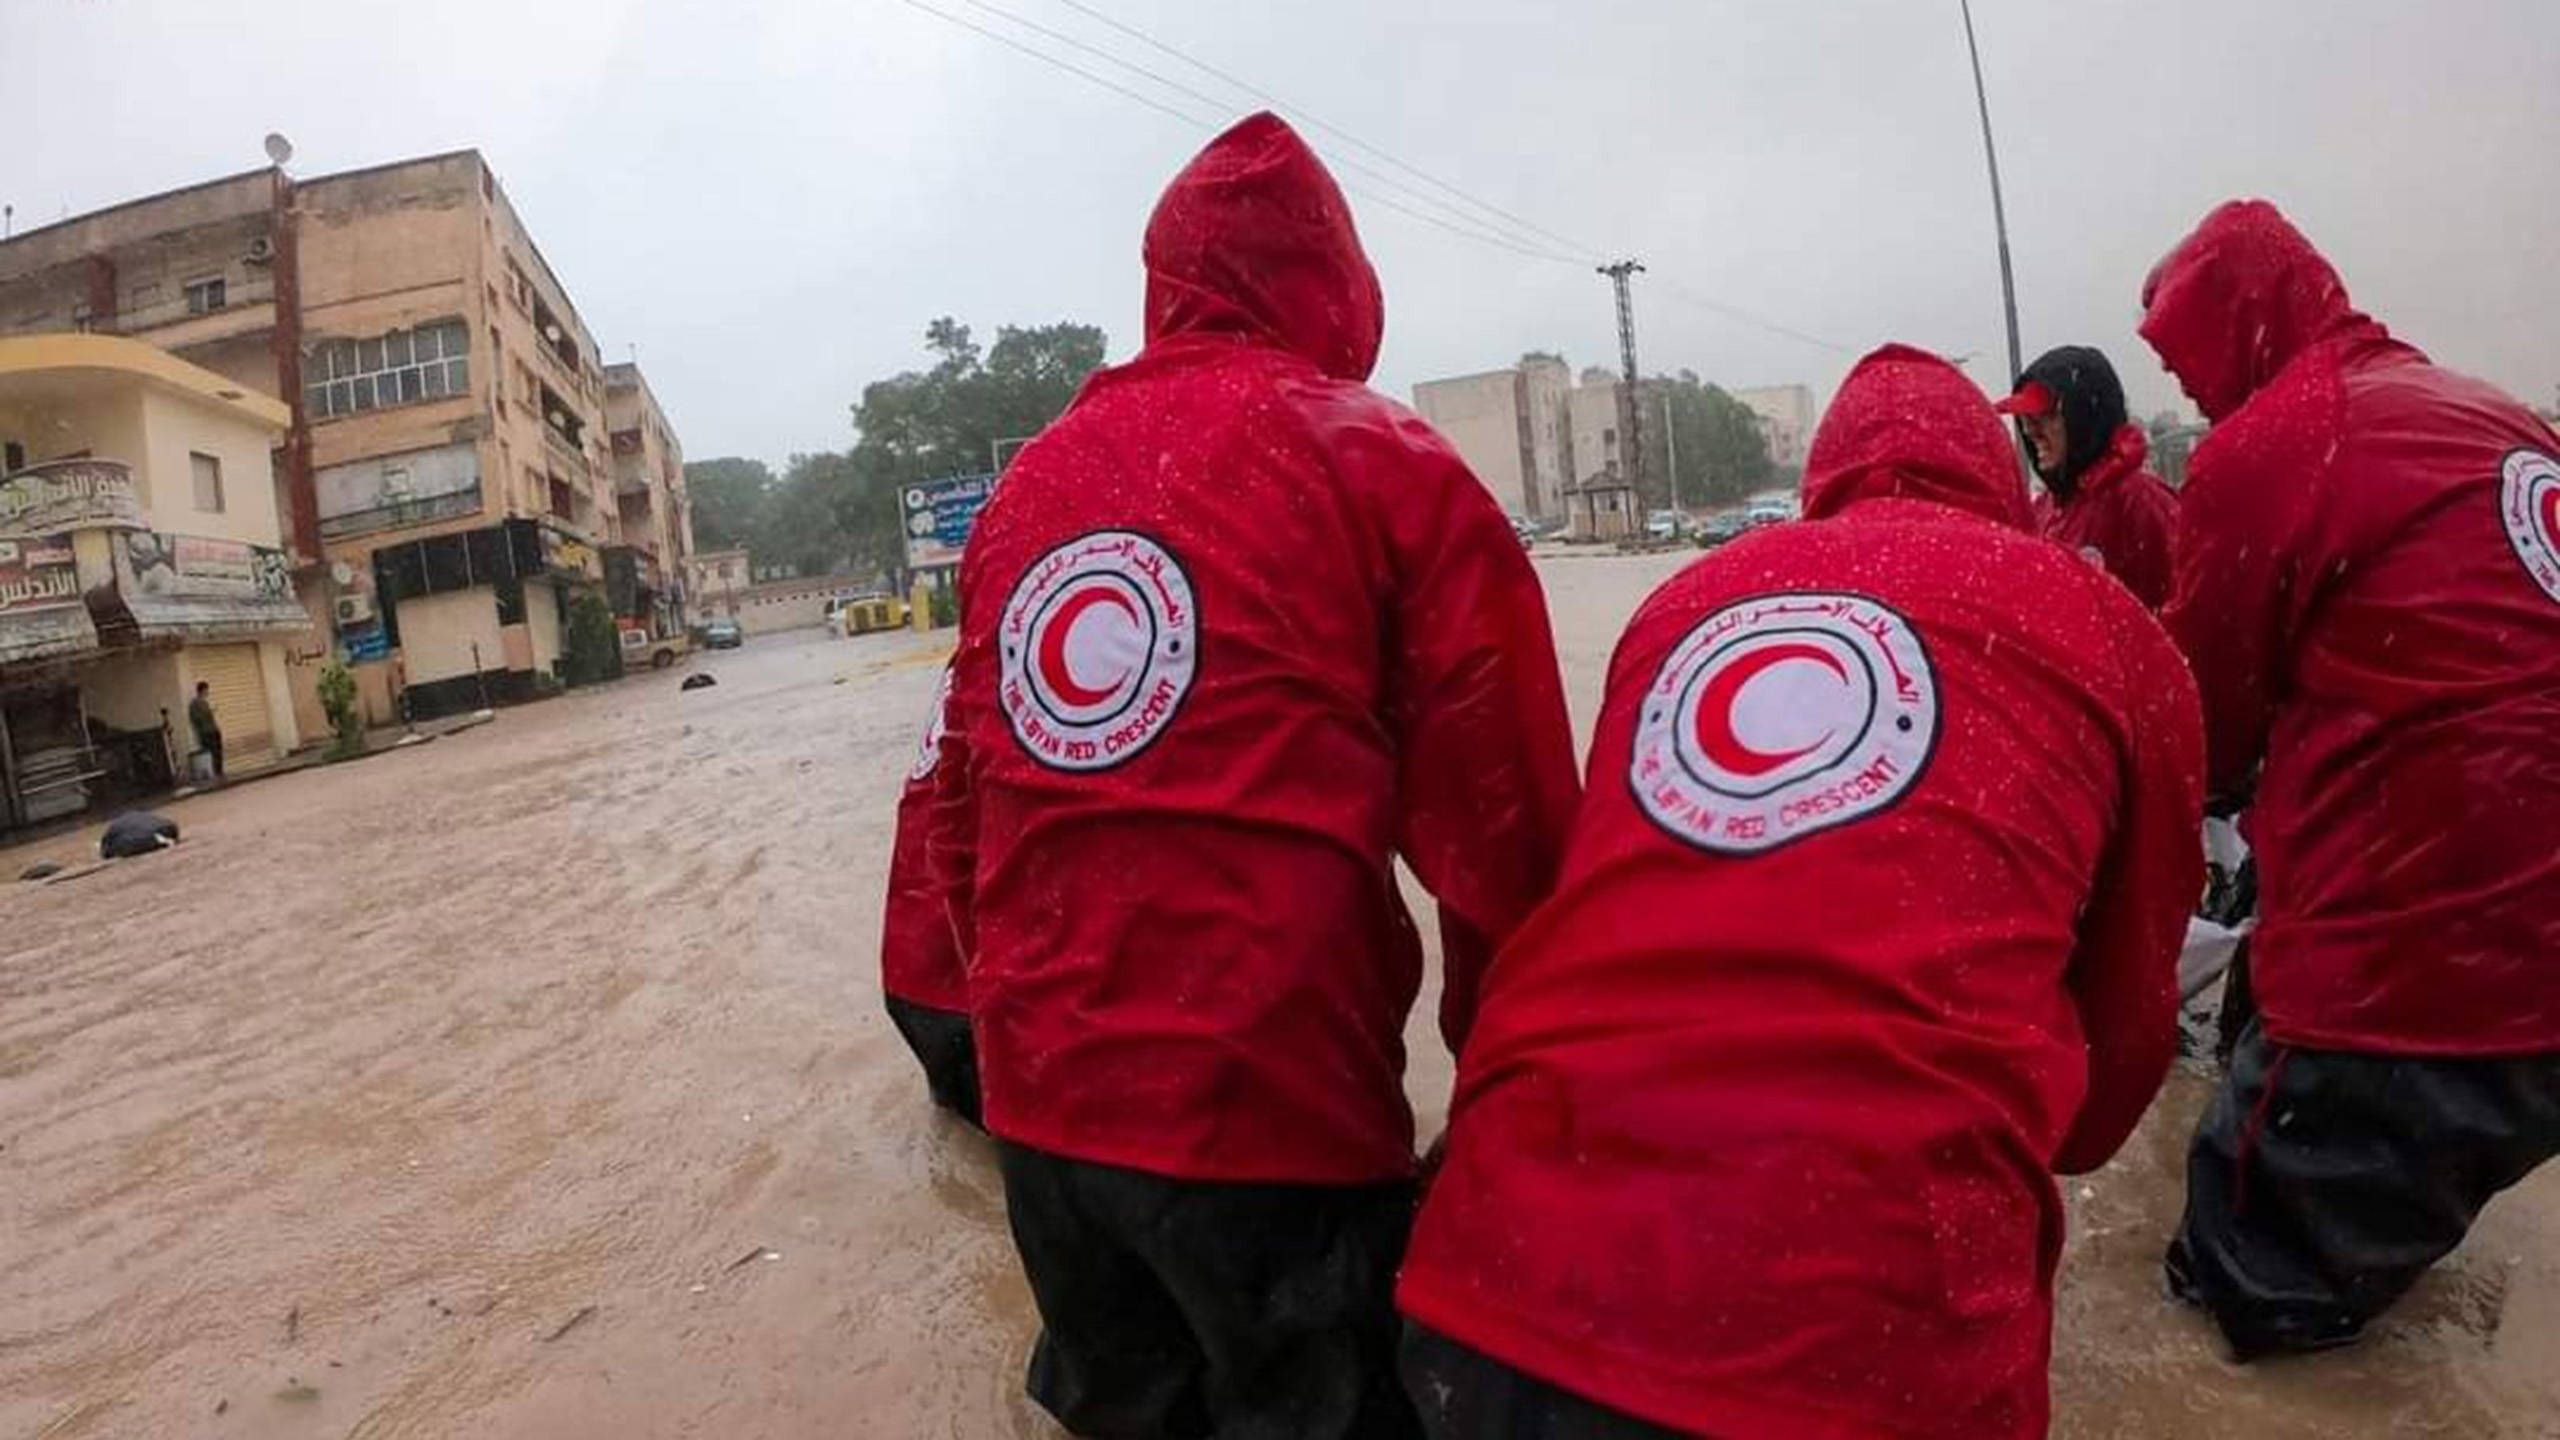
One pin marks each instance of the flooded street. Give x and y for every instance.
(534, 1083)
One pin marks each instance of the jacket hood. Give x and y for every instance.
(2237, 300)
(1254, 240)
(1908, 424)
(2084, 385)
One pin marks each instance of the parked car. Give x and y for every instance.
(1721, 526)
(1523, 531)
(1759, 515)
(641, 652)
(1666, 525)
(723, 634)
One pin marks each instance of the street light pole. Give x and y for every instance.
(1999, 212)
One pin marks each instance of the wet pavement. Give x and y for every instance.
(533, 1083)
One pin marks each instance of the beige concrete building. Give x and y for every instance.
(715, 581)
(447, 483)
(645, 572)
(1534, 436)
(140, 554)
(1787, 417)
(1513, 429)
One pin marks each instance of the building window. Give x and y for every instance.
(404, 367)
(208, 473)
(206, 296)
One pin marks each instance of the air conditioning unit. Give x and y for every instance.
(261, 250)
(354, 609)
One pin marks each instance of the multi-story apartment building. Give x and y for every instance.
(1787, 418)
(140, 555)
(446, 480)
(644, 573)
(1514, 429)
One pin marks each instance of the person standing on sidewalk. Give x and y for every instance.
(1236, 631)
(207, 728)
(2368, 590)
(1868, 927)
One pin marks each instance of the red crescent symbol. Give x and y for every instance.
(1053, 646)
(2551, 516)
(1715, 709)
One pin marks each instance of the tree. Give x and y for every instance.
(728, 497)
(924, 425)
(944, 421)
(1722, 453)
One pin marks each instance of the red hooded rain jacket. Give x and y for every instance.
(1868, 925)
(2369, 591)
(2121, 516)
(919, 959)
(1235, 631)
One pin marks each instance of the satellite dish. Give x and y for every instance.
(279, 149)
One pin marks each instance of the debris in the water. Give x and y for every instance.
(750, 1258)
(219, 1406)
(572, 1323)
(293, 1324)
(297, 1393)
(40, 870)
(137, 832)
(697, 682)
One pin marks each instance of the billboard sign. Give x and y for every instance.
(939, 515)
(37, 574)
(68, 495)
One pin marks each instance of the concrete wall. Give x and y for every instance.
(789, 606)
(1480, 415)
(174, 429)
(542, 623)
(130, 691)
(1594, 412)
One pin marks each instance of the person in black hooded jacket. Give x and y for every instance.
(2098, 499)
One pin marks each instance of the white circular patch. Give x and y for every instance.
(1099, 642)
(1782, 716)
(929, 751)
(2529, 506)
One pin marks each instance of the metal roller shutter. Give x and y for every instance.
(239, 704)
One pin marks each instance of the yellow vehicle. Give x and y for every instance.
(865, 614)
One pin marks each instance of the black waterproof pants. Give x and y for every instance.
(1465, 1394)
(946, 1050)
(1181, 1310)
(2322, 1183)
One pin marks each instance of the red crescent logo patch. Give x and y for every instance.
(929, 750)
(2529, 508)
(1098, 644)
(1782, 716)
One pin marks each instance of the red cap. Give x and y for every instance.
(2032, 399)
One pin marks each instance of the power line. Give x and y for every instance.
(1741, 316)
(1113, 85)
(1459, 222)
(1161, 108)
(1583, 251)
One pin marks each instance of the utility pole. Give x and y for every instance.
(1630, 414)
(1671, 448)
(1999, 212)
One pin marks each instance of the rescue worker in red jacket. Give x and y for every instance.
(1868, 926)
(2369, 592)
(1235, 631)
(2098, 499)
(921, 980)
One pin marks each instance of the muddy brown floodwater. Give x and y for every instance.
(533, 1083)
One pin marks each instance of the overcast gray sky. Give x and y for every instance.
(771, 201)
